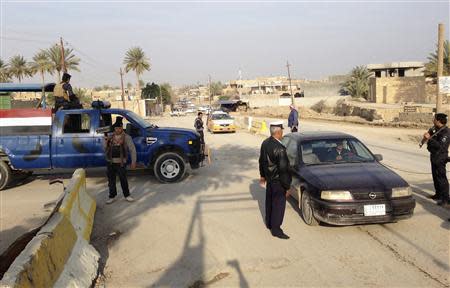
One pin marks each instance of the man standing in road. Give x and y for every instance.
(117, 148)
(437, 143)
(198, 124)
(293, 119)
(274, 172)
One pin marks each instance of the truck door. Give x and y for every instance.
(133, 129)
(74, 140)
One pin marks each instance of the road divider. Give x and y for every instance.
(60, 254)
(252, 125)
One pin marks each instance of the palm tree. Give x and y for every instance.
(135, 60)
(4, 72)
(357, 84)
(18, 67)
(431, 66)
(41, 63)
(71, 61)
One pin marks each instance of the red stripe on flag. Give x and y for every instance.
(29, 112)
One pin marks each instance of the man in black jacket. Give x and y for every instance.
(274, 172)
(438, 142)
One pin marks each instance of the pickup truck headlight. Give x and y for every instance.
(336, 195)
(401, 192)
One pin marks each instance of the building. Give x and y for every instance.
(397, 82)
(263, 85)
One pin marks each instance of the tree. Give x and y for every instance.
(136, 60)
(166, 93)
(431, 66)
(357, 84)
(5, 76)
(41, 63)
(150, 91)
(85, 99)
(216, 88)
(54, 54)
(18, 67)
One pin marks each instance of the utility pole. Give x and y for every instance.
(210, 91)
(121, 84)
(290, 83)
(63, 57)
(440, 65)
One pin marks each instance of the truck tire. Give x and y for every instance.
(169, 167)
(5, 175)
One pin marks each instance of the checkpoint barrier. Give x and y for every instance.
(252, 125)
(60, 254)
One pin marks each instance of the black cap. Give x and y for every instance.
(118, 122)
(66, 77)
(441, 117)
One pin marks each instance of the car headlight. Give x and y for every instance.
(401, 192)
(336, 195)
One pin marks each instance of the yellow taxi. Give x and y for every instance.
(219, 121)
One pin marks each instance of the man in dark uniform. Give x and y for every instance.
(274, 172)
(438, 140)
(198, 124)
(64, 96)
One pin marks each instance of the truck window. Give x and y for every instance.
(77, 123)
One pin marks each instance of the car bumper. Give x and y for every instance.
(223, 129)
(353, 213)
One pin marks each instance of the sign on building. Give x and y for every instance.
(444, 84)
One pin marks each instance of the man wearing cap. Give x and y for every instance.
(117, 148)
(64, 96)
(293, 119)
(438, 140)
(274, 172)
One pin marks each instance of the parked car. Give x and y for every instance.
(34, 139)
(337, 180)
(219, 121)
(177, 113)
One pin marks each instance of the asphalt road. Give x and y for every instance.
(209, 228)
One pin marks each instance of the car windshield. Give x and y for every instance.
(221, 117)
(326, 151)
(138, 119)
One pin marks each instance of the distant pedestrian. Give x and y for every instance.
(293, 119)
(274, 172)
(438, 140)
(117, 148)
(64, 96)
(198, 124)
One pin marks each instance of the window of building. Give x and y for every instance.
(77, 123)
(378, 74)
(401, 72)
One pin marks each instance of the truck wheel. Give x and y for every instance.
(307, 210)
(169, 167)
(5, 175)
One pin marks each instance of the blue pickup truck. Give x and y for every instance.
(32, 139)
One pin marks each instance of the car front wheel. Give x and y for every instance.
(307, 210)
(169, 167)
(5, 175)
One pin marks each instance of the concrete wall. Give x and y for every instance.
(321, 89)
(397, 89)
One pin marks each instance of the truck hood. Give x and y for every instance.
(174, 131)
(223, 122)
(352, 176)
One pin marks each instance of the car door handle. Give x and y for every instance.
(61, 141)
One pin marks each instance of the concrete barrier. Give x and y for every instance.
(60, 254)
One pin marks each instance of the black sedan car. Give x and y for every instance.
(337, 180)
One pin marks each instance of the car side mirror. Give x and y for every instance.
(379, 157)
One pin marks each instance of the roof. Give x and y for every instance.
(319, 135)
(28, 87)
(395, 65)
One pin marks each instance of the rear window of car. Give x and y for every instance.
(334, 151)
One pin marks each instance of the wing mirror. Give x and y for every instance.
(379, 157)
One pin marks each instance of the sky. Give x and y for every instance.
(187, 41)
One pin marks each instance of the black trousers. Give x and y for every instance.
(275, 205)
(114, 169)
(202, 137)
(440, 180)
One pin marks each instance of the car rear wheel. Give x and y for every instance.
(5, 175)
(169, 167)
(307, 210)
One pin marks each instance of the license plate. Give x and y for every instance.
(374, 210)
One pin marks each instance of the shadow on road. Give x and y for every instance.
(121, 217)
